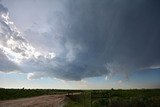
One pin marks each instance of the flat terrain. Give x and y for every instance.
(41, 101)
(79, 98)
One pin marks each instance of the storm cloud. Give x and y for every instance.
(87, 39)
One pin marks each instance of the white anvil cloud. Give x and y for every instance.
(15, 49)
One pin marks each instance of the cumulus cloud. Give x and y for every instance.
(87, 39)
(15, 51)
(6, 65)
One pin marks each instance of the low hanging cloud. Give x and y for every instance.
(85, 39)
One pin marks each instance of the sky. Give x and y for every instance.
(80, 44)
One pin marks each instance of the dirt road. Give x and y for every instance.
(41, 101)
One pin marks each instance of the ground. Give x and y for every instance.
(41, 101)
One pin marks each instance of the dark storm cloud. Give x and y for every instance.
(97, 38)
(114, 36)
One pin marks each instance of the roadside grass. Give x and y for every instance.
(72, 103)
(116, 98)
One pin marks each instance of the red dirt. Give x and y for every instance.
(41, 101)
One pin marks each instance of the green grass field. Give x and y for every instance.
(116, 98)
(93, 98)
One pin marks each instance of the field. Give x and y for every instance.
(89, 98)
